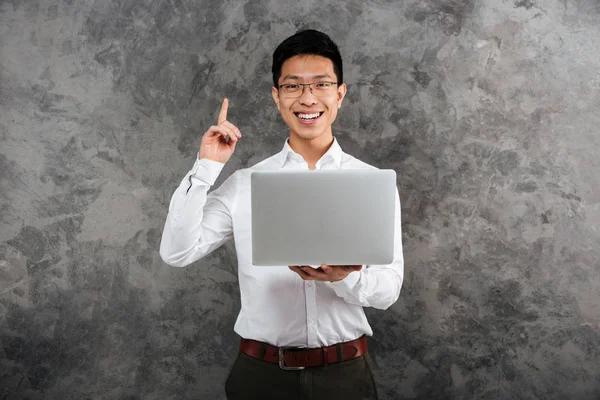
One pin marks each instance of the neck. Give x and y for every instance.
(311, 149)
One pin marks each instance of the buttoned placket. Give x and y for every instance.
(310, 287)
(311, 313)
(310, 291)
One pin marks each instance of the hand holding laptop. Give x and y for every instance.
(330, 273)
(218, 142)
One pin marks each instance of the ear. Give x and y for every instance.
(275, 94)
(341, 93)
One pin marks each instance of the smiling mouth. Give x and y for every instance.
(308, 117)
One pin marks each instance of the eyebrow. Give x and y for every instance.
(296, 77)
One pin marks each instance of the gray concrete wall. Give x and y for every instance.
(488, 110)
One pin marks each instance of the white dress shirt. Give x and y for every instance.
(277, 305)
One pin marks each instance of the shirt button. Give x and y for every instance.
(309, 284)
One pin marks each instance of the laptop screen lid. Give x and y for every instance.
(334, 217)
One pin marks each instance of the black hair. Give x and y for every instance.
(309, 42)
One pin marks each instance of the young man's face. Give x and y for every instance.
(298, 110)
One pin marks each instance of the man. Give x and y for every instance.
(303, 329)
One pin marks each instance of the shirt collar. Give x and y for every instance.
(334, 153)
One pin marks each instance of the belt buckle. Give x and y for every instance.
(282, 363)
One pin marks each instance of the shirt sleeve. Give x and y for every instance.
(198, 222)
(376, 286)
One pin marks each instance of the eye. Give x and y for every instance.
(323, 84)
(290, 86)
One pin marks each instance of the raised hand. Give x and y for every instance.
(218, 142)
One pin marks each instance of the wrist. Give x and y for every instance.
(349, 281)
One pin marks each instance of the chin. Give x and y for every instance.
(309, 135)
(308, 132)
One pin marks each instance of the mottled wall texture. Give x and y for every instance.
(487, 109)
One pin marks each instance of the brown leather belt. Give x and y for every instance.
(299, 358)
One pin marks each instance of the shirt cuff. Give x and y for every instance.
(207, 170)
(347, 284)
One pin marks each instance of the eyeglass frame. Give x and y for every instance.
(304, 85)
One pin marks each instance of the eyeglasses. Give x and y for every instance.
(319, 89)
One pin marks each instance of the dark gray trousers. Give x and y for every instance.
(251, 379)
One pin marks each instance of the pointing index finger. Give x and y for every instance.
(223, 113)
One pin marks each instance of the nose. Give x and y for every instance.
(307, 97)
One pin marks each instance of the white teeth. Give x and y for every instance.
(309, 116)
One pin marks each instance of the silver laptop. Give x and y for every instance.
(334, 217)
